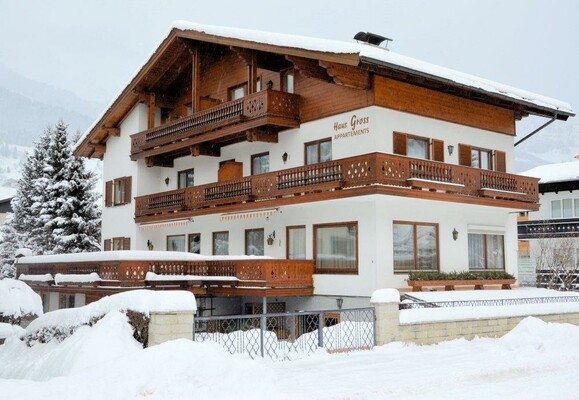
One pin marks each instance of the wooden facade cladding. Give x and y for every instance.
(268, 110)
(414, 99)
(343, 178)
(259, 277)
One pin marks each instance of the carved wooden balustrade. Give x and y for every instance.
(359, 171)
(276, 106)
(289, 276)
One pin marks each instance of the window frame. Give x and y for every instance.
(185, 172)
(422, 139)
(284, 82)
(491, 157)
(110, 195)
(189, 242)
(485, 246)
(415, 239)
(287, 241)
(259, 155)
(336, 271)
(248, 231)
(172, 236)
(213, 242)
(319, 151)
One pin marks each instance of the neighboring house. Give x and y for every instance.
(549, 237)
(369, 163)
(6, 195)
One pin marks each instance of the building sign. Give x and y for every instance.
(355, 126)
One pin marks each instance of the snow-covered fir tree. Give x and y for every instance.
(55, 209)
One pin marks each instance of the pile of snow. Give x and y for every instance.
(388, 295)
(9, 329)
(144, 301)
(560, 172)
(76, 278)
(36, 278)
(23, 252)
(151, 276)
(17, 299)
(537, 360)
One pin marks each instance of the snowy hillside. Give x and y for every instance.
(557, 143)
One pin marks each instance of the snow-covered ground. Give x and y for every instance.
(537, 360)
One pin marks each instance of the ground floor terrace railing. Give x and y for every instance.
(263, 277)
(374, 169)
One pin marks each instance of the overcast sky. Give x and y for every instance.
(94, 48)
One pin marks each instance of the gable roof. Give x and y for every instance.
(348, 53)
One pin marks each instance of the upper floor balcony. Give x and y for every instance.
(257, 116)
(550, 228)
(366, 174)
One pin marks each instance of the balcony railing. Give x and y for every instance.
(551, 228)
(275, 108)
(364, 170)
(291, 276)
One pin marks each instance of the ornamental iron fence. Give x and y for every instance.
(414, 303)
(291, 335)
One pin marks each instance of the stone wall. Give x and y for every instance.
(170, 326)
(389, 329)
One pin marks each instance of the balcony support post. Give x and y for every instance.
(260, 135)
(151, 122)
(195, 65)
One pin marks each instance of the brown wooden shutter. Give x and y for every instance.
(399, 143)
(437, 150)
(465, 155)
(108, 245)
(128, 189)
(500, 161)
(127, 243)
(109, 194)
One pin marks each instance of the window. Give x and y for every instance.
(415, 246)
(564, 208)
(258, 84)
(118, 191)
(477, 157)
(486, 251)
(481, 158)
(318, 151)
(288, 81)
(296, 242)
(195, 243)
(117, 243)
(336, 248)
(259, 163)
(66, 301)
(254, 242)
(220, 243)
(418, 146)
(237, 92)
(176, 243)
(186, 178)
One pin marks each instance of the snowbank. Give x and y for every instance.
(76, 278)
(144, 301)
(560, 172)
(17, 299)
(9, 330)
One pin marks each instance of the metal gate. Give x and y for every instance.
(292, 335)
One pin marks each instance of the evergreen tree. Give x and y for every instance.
(55, 209)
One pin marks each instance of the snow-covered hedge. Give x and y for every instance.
(137, 304)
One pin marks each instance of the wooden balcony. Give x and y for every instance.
(255, 277)
(258, 116)
(550, 228)
(365, 174)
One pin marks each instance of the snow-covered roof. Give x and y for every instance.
(6, 193)
(130, 255)
(560, 172)
(363, 52)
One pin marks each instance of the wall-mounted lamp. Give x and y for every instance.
(340, 302)
(150, 245)
(454, 234)
(167, 180)
(270, 238)
(191, 219)
(269, 85)
(284, 157)
(450, 149)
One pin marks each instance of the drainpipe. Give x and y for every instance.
(538, 129)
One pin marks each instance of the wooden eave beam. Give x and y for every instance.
(111, 131)
(169, 64)
(309, 68)
(98, 148)
(159, 162)
(348, 76)
(261, 135)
